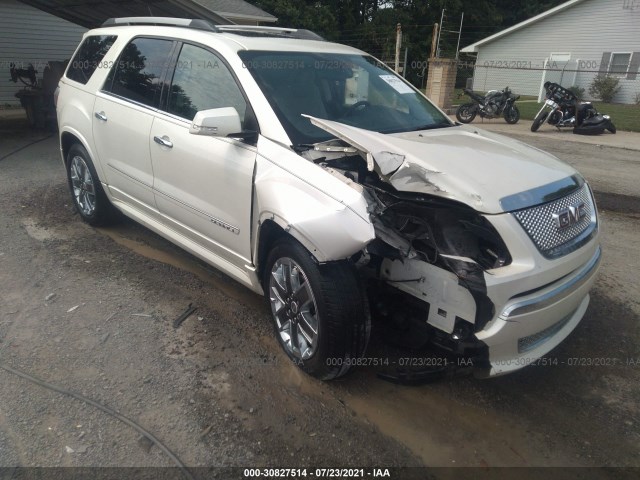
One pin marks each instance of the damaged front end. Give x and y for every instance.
(425, 270)
(435, 251)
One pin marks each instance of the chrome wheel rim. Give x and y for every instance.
(294, 308)
(84, 192)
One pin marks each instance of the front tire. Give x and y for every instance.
(466, 112)
(512, 115)
(612, 128)
(539, 120)
(86, 190)
(319, 312)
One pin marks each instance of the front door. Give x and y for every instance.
(203, 185)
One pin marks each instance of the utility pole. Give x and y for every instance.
(440, 30)
(398, 46)
(404, 65)
(434, 40)
(459, 35)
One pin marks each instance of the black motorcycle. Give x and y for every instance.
(493, 105)
(563, 109)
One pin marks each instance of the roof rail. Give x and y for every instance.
(198, 24)
(299, 34)
(161, 21)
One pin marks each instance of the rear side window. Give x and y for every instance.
(137, 73)
(88, 57)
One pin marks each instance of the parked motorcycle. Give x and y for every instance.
(494, 104)
(560, 109)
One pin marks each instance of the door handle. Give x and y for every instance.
(101, 116)
(164, 141)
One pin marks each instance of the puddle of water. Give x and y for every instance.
(445, 432)
(437, 427)
(183, 261)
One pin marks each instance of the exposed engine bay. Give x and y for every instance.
(426, 267)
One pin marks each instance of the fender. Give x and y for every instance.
(328, 217)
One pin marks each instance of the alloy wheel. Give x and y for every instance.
(84, 192)
(294, 308)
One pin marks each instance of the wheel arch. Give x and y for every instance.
(268, 234)
(337, 242)
(68, 138)
(273, 228)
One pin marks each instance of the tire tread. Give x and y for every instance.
(343, 305)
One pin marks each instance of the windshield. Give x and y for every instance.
(353, 89)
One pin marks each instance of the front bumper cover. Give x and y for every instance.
(530, 326)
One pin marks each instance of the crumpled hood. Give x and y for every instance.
(462, 163)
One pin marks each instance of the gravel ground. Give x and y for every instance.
(92, 311)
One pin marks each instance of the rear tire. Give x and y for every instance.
(466, 112)
(86, 190)
(539, 120)
(320, 312)
(512, 115)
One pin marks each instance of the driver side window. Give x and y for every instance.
(201, 81)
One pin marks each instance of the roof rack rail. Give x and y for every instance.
(161, 21)
(300, 34)
(198, 24)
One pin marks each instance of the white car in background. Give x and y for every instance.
(312, 174)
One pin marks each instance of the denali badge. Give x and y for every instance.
(569, 216)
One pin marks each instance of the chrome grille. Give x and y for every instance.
(539, 223)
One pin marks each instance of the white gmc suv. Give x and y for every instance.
(314, 175)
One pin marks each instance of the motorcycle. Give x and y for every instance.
(560, 109)
(494, 104)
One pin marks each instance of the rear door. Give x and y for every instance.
(203, 184)
(122, 117)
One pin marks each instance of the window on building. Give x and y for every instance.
(619, 64)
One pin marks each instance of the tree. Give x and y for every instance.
(371, 24)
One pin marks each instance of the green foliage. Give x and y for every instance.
(604, 87)
(577, 91)
(371, 24)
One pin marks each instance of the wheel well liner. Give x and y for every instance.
(67, 140)
(270, 232)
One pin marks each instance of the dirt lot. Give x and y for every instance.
(92, 311)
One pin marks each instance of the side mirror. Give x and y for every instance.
(217, 122)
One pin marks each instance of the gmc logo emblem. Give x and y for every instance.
(569, 216)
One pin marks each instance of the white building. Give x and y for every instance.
(569, 44)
